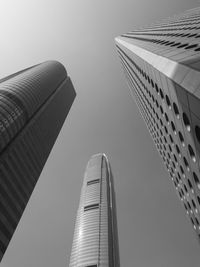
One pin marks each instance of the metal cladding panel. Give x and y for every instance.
(22, 160)
(93, 235)
(161, 63)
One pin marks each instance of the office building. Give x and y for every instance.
(33, 106)
(162, 66)
(95, 242)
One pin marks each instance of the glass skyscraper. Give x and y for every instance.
(162, 66)
(33, 106)
(95, 242)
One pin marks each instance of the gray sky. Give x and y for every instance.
(152, 224)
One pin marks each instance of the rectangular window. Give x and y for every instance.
(93, 181)
(91, 207)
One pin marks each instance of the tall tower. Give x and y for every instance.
(95, 242)
(162, 66)
(33, 106)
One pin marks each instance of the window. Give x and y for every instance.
(168, 101)
(192, 154)
(197, 132)
(176, 110)
(91, 207)
(186, 122)
(181, 138)
(93, 181)
(196, 179)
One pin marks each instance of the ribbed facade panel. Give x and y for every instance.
(161, 63)
(91, 236)
(46, 93)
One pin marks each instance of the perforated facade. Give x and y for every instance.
(95, 242)
(162, 66)
(33, 106)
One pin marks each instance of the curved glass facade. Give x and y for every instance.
(95, 240)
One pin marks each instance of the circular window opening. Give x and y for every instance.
(166, 118)
(197, 222)
(168, 101)
(182, 171)
(185, 188)
(186, 122)
(161, 94)
(181, 138)
(171, 139)
(190, 184)
(181, 46)
(186, 163)
(197, 132)
(193, 203)
(185, 206)
(166, 43)
(157, 116)
(170, 148)
(156, 86)
(174, 165)
(198, 198)
(176, 44)
(196, 179)
(178, 150)
(192, 222)
(175, 158)
(191, 46)
(179, 177)
(192, 154)
(157, 104)
(161, 110)
(192, 35)
(173, 127)
(176, 111)
(152, 83)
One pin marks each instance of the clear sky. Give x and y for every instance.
(152, 224)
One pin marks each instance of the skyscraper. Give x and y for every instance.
(95, 242)
(162, 66)
(33, 106)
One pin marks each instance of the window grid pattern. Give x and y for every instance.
(170, 111)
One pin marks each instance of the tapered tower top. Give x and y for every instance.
(95, 240)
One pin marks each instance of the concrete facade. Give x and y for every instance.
(95, 242)
(162, 66)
